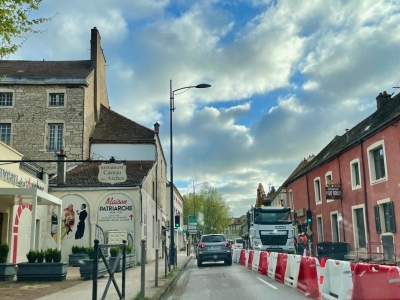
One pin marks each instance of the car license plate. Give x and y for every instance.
(214, 248)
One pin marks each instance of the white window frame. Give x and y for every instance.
(9, 121)
(291, 199)
(336, 212)
(382, 216)
(47, 134)
(2, 90)
(371, 162)
(352, 175)
(326, 184)
(353, 208)
(320, 234)
(315, 191)
(56, 91)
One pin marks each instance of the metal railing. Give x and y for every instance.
(31, 168)
(99, 253)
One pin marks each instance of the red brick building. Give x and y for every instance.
(363, 168)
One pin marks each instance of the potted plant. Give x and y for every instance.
(40, 256)
(7, 270)
(52, 270)
(48, 255)
(113, 259)
(130, 257)
(78, 254)
(86, 267)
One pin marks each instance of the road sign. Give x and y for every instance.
(192, 223)
(309, 232)
(192, 227)
(192, 219)
(192, 231)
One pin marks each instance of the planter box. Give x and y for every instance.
(86, 269)
(130, 260)
(42, 271)
(119, 267)
(75, 260)
(7, 272)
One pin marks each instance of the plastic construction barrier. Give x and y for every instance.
(250, 260)
(338, 280)
(292, 270)
(280, 269)
(376, 282)
(232, 252)
(263, 263)
(256, 260)
(236, 255)
(272, 264)
(307, 282)
(242, 258)
(320, 276)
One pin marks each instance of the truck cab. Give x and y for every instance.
(271, 229)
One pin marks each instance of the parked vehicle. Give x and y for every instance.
(214, 247)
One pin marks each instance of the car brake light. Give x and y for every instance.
(202, 245)
(225, 244)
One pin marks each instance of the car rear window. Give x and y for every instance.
(213, 239)
(239, 241)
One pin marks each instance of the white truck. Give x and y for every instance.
(270, 229)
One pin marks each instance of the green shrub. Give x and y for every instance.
(114, 251)
(4, 249)
(31, 256)
(40, 256)
(76, 249)
(128, 249)
(48, 255)
(83, 250)
(90, 252)
(56, 255)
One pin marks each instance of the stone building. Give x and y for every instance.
(46, 106)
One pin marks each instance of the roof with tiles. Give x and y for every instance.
(45, 69)
(86, 175)
(113, 127)
(388, 111)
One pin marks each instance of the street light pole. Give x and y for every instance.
(171, 110)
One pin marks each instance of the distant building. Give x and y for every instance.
(233, 230)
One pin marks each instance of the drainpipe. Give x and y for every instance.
(365, 190)
(341, 201)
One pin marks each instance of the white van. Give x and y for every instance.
(239, 243)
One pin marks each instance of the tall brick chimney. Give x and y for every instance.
(61, 168)
(157, 127)
(382, 97)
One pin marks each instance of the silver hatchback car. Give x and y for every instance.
(213, 247)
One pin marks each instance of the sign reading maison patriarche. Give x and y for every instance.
(333, 191)
(112, 173)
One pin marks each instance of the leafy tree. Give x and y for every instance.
(15, 25)
(213, 213)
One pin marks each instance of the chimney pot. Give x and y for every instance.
(157, 127)
(381, 98)
(140, 166)
(61, 168)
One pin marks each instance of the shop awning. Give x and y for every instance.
(16, 196)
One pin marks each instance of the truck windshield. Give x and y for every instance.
(273, 218)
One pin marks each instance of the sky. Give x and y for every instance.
(287, 77)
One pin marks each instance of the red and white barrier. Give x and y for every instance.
(307, 282)
(250, 260)
(247, 258)
(263, 263)
(292, 270)
(272, 264)
(372, 282)
(242, 259)
(338, 280)
(236, 255)
(256, 260)
(280, 269)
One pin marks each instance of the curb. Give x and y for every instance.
(168, 286)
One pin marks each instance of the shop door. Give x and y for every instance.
(360, 227)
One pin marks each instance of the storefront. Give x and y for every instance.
(24, 202)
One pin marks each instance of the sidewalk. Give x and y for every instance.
(83, 290)
(76, 288)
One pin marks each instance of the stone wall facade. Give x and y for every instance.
(31, 115)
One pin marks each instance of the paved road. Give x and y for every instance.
(217, 281)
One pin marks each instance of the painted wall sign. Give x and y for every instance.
(112, 173)
(116, 212)
(333, 191)
(17, 181)
(300, 212)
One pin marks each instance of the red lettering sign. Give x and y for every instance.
(113, 201)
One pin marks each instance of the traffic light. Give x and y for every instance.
(177, 221)
(309, 216)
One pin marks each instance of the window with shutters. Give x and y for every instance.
(377, 162)
(385, 217)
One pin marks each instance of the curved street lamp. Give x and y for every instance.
(171, 110)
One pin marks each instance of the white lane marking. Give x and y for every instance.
(274, 287)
